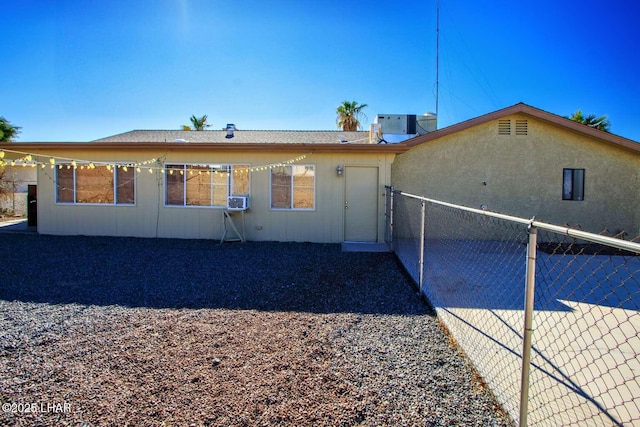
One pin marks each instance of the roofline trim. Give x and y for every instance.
(214, 146)
(522, 108)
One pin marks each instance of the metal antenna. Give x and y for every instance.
(437, 56)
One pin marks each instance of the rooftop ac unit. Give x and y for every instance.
(238, 203)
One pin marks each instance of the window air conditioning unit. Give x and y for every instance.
(238, 203)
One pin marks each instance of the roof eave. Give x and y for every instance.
(188, 146)
(522, 108)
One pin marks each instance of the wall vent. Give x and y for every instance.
(521, 127)
(504, 127)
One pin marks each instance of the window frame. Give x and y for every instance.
(573, 183)
(81, 168)
(292, 188)
(187, 169)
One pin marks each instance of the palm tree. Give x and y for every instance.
(592, 120)
(199, 123)
(349, 115)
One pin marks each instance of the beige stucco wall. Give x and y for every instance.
(150, 218)
(523, 175)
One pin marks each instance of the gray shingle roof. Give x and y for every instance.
(240, 136)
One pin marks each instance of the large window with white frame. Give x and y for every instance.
(293, 187)
(90, 184)
(204, 185)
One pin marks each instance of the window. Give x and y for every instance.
(573, 184)
(293, 187)
(95, 184)
(204, 185)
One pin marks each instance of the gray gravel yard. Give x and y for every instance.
(98, 331)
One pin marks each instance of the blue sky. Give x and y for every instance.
(78, 70)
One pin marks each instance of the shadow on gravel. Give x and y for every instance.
(174, 273)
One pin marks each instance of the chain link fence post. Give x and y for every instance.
(390, 189)
(528, 322)
(423, 209)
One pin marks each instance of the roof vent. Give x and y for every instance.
(521, 127)
(230, 128)
(504, 127)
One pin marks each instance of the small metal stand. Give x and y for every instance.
(227, 222)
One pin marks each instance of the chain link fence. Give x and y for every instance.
(549, 316)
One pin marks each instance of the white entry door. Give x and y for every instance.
(361, 204)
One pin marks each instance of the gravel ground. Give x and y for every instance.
(158, 332)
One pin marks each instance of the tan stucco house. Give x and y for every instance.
(527, 162)
(316, 186)
(329, 186)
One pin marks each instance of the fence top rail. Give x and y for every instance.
(566, 231)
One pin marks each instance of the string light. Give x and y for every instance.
(60, 162)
